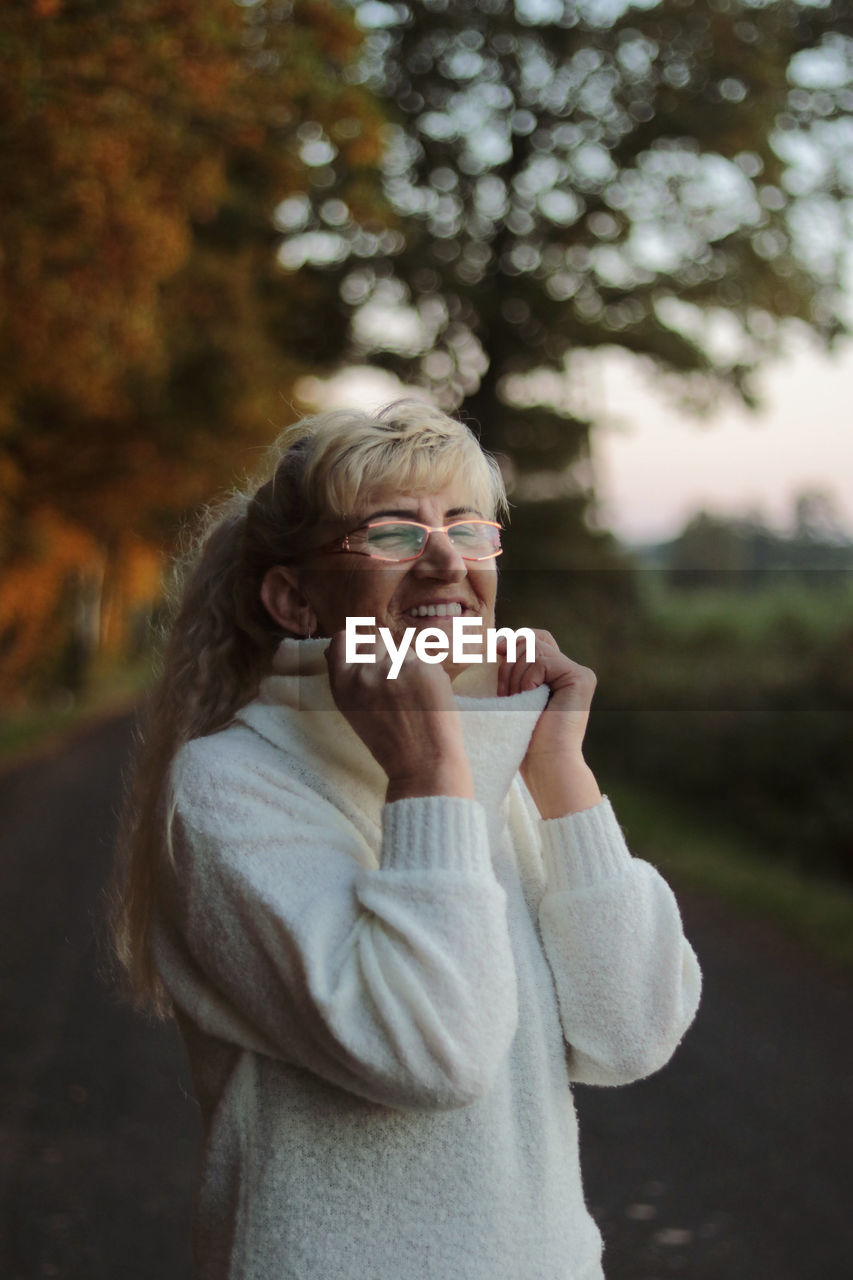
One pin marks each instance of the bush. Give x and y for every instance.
(744, 713)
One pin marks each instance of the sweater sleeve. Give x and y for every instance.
(396, 984)
(627, 981)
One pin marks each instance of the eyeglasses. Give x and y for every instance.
(399, 540)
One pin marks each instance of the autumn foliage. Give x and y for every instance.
(144, 321)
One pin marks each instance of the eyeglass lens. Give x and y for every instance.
(400, 541)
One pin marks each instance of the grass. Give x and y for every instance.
(781, 605)
(706, 855)
(27, 733)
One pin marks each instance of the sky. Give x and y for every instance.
(655, 465)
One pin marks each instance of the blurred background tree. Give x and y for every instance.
(148, 334)
(744, 554)
(570, 174)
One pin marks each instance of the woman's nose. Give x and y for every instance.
(440, 555)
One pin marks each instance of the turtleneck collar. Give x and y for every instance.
(496, 730)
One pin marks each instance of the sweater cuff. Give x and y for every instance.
(582, 849)
(435, 832)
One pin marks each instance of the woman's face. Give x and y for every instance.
(338, 585)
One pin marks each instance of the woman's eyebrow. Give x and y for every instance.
(403, 514)
(461, 511)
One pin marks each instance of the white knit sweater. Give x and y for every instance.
(384, 1005)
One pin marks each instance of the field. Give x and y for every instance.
(737, 702)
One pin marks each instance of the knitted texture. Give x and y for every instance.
(384, 1006)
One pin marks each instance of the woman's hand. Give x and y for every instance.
(410, 725)
(554, 769)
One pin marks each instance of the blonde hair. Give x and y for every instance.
(220, 640)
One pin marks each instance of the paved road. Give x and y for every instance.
(731, 1164)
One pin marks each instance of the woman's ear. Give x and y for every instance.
(285, 603)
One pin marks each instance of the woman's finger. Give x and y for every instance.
(522, 675)
(527, 675)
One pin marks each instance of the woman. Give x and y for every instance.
(394, 919)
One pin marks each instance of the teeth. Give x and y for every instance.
(453, 610)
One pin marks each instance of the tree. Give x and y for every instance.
(148, 334)
(147, 146)
(743, 553)
(571, 180)
(568, 174)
